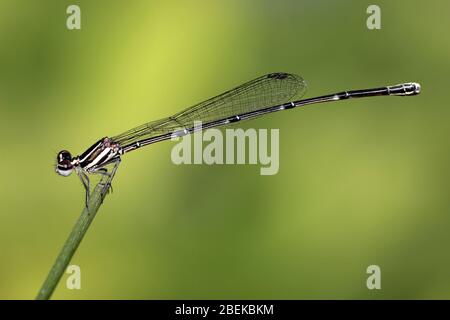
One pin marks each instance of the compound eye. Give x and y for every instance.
(65, 172)
(63, 157)
(64, 164)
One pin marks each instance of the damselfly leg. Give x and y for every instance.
(86, 184)
(104, 183)
(105, 173)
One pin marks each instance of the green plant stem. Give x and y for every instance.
(75, 237)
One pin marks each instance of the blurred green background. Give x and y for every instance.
(361, 182)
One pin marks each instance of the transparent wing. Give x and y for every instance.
(263, 92)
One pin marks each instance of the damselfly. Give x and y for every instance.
(270, 93)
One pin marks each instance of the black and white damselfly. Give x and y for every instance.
(270, 93)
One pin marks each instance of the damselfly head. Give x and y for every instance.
(64, 166)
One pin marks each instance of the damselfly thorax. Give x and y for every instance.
(100, 154)
(93, 160)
